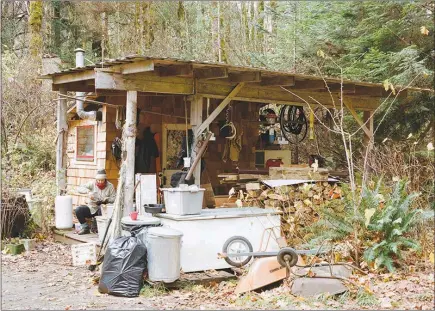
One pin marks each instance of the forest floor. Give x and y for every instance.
(45, 279)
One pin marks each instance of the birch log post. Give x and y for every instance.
(62, 128)
(130, 140)
(195, 121)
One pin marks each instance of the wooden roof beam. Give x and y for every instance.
(336, 88)
(278, 81)
(210, 73)
(175, 70)
(145, 83)
(74, 77)
(308, 85)
(131, 68)
(248, 76)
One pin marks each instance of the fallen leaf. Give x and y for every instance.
(67, 307)
(321, 54)
(368, 213)
(431, 258)
(424, 30)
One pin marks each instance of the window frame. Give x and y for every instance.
(86, 159)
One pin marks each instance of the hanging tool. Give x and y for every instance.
(311, 125)
(186, 177)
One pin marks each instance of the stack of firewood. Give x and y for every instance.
(299, 204)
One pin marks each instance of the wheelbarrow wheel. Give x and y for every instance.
(234, 245)
(287, 253)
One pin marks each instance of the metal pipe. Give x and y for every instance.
(86, 115)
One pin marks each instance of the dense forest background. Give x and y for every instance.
(366, 41)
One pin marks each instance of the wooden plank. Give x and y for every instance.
(79, 86)
(262, 94)
(219, 108)
(336, 87)
(370, 91)
(101, 146)
(309, 85)
(101, 154)
(132, 68)
(278, 80)
(74, 77)
(114, 81)
(210, 73)
(248, 76)
(175, 70)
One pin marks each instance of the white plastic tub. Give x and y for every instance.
(186, 201)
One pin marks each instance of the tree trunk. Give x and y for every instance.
(130, 141)
(35, 26)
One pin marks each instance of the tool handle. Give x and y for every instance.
(198, 156)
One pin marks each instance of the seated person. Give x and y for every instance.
(100, 192)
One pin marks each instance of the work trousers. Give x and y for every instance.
(83, 212)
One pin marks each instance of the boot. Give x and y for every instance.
(84, 229)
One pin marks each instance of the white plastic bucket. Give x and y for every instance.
(186, 201)
(101, 226)
(63, 212)
(107, 210)
(163, 254)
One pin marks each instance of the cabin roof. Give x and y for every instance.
(169, 62)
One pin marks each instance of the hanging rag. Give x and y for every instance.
(232, 148)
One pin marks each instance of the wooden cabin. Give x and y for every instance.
(167, 91)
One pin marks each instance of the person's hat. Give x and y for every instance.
(101, 174)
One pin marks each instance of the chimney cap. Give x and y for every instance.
(79, 50)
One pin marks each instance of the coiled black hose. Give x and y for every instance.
(293, 122)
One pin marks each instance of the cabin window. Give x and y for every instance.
(85, 143)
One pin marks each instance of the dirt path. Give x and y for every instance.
(45, 279)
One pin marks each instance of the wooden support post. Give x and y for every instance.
(130, 140)
(368, 138)
(358, 119)
(195, 121)
(62, 130)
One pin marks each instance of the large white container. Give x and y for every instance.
(63, 212)
(204, 235)
(180, 201)
(163, 254)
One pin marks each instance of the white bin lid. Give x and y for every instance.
(182, 189)
(164, 232)
(141, 221)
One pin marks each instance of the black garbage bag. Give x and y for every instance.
(123, 267)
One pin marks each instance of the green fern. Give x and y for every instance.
(392, 221)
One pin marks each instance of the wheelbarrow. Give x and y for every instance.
(237, 252)
(269, 266)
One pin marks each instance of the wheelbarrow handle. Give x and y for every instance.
(253, 254)
(269, 254)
